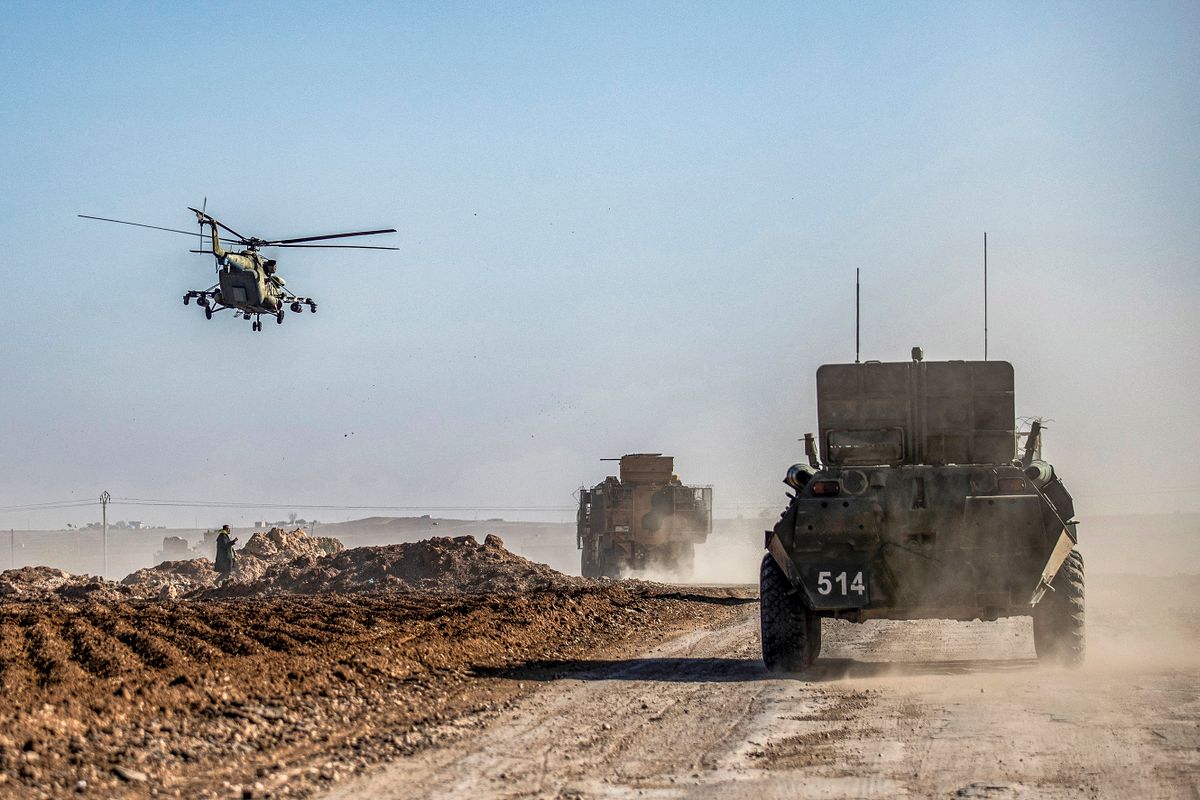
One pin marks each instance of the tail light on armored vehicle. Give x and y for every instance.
(826, 488)
(1011, 485)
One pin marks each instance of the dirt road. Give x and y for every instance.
(924, 708)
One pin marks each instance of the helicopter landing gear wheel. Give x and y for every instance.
(312, 306)
(187, 298)
(256, 325)
(207, 312)
(279, 317)
(297, 308)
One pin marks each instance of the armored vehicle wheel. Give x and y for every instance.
(791, 632)
(587, 563)
(609, 563)
(1058, 618)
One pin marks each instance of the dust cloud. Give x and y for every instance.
(1136, 623)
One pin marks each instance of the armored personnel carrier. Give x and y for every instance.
(914, 504)
(646, 519)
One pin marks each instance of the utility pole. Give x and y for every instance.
(104, 498)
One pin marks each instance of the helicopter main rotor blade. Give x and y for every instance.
(155, 227)
(137, 224)
(222, 225)
(335, 246)
(328, 236)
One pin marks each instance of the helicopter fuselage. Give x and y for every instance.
(245, 284)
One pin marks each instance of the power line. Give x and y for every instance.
(276, 506)
(152, 502)
(49, 505)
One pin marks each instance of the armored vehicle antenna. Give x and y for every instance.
(857, 307)
(985, 297)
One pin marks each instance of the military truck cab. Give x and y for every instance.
(914, 505)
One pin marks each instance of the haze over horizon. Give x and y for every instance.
(622, 228)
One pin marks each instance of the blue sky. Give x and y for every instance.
(622, 227)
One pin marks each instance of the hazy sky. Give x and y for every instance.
(623, 227)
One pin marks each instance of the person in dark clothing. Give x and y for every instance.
(224, 559)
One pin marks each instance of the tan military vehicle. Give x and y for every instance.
(646, 519)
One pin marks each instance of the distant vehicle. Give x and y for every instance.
(175, 548)
(646, 519)
(913, 505)
(247, 282)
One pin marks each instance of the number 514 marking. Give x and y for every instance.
(826, 580)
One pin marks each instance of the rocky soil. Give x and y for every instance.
(294, 677)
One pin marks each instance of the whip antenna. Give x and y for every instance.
(857, 306)
(985, 298)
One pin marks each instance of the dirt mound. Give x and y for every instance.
(48, 583)
(280, 562)
(278, 547)
(172, 578)
(278, 543)
(459, 564)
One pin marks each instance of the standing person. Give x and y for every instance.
(224, 560)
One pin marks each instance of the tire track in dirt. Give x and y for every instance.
(924, 708)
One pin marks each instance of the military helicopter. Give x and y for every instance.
(247, 282)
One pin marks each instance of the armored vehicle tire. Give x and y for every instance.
(791, 632)
(678, 558)
(1058, 630)
(587, 563)
(609, 566)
